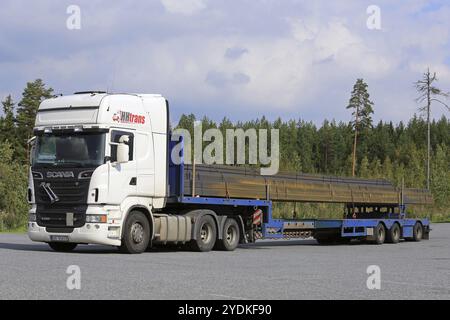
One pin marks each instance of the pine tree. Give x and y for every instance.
(376, 169)
(388, 169)
(364, 170)
(32, 96)
(7, 122)
(362, 110)
(440, 182)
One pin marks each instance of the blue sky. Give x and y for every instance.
(236, 58)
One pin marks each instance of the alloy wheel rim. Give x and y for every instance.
(137, 233)
(205, 233)
(231, 234)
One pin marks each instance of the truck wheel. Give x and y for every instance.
(325, 240)
(393, 235)
(136, 233)
(231, 236)
(344, 240)
(62, 247)
(417, 232)
(380, 234)
(206, 234)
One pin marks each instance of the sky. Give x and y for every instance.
(239, 59)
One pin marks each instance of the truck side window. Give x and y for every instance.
(115, 136)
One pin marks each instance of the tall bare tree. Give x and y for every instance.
(429, 93)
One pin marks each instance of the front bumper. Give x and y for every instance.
(90, 233)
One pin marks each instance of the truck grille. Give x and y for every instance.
(56, 216)
(72, 195)
(70, 192)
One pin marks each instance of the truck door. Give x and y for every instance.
(145, 165)
(122, 176)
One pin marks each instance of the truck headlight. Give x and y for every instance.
(96, 218)
(32, 217)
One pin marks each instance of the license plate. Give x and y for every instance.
(59, 238)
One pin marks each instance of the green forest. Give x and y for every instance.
(393, 151)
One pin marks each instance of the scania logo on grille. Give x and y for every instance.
(60, 174)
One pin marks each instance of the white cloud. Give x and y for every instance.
(287, 58)
(186, 7)
(302, 30)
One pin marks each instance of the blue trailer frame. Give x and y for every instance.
(271, 228)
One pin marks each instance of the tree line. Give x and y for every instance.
(393, 151)
(396, 152)
(16, 128)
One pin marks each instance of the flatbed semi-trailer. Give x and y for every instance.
(102, 173)
(376, 222)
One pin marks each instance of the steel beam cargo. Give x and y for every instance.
(247, 183)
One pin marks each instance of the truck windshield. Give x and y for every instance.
(70, 150)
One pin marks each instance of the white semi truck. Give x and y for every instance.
(101, 173)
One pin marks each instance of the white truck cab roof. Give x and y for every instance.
(148, 112)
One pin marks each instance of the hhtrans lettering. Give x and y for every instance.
(128, 117)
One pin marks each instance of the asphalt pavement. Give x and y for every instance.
(299, 269)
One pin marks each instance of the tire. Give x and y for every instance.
(380, 234)
(393, 235)
(62, 247)
(344, 240)
(231, 236)
(417, 232)
(323, 240)
(136, 233)
(206, 234)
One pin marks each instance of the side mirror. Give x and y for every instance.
(123, 150)
(31, 145)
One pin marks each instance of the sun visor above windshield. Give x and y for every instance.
(67, 116)
(72, 101)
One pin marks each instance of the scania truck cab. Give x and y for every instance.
(96, 158)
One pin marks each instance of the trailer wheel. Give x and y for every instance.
(231, 236)
(380, 234)
(62, 247)
(393, 235)
(417, 232)
(136, 233)
(206, 234)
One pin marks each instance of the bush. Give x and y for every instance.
(13, 189)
